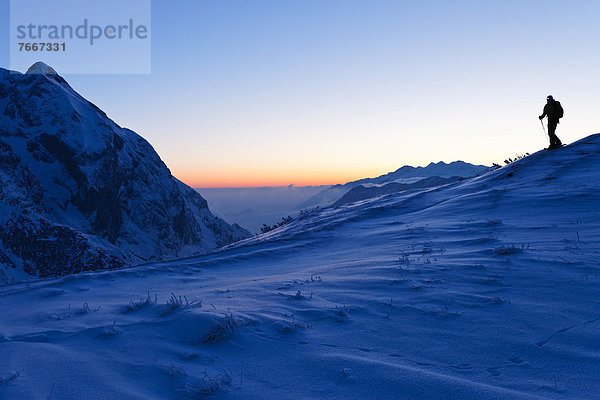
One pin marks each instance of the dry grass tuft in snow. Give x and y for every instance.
(109, 332)
(208, 386)
(9, 378)
(176, 371)
(175, 303)
(225, 329)
(141, 304)
(341, 313)
(85, 309)
(288, 327)
(508, 250)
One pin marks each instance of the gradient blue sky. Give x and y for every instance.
(253, 92)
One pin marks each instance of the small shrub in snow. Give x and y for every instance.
(443, 312)
(176, 370)
(300, 296)
(190, 356)
(297, 296)
(498, 300)
(403, 259)
(109, 332)
(284, 221)
(390, 303)
(176, 302)
(341, 313)
(49, 397)
(208, 386)
(305, 212)
(517, 157)
(286, 285)
(9, 378)
(85, 309)
(67, 314)
(508, 250)
(346, 372)
(292, 326)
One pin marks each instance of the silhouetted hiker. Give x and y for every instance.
(554, 111)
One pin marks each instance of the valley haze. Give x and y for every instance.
(254, 207)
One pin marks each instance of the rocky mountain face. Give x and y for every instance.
(80, 193)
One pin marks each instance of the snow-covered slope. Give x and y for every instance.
(78, 192)
(483, 289)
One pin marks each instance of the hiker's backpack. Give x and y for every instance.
(559, 110)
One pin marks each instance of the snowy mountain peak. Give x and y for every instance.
(435, 163)
(40, 68)
(78, 192)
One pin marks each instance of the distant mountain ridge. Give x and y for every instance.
(78, 192)
(441, 169)
(402, 176)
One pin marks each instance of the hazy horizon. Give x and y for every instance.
(290, 185)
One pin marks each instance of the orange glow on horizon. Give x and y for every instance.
(274, 173)
(262, 182)
(246, 180)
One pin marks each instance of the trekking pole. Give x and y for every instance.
(543, 127)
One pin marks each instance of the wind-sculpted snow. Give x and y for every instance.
(80, 193)
(487, 288)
